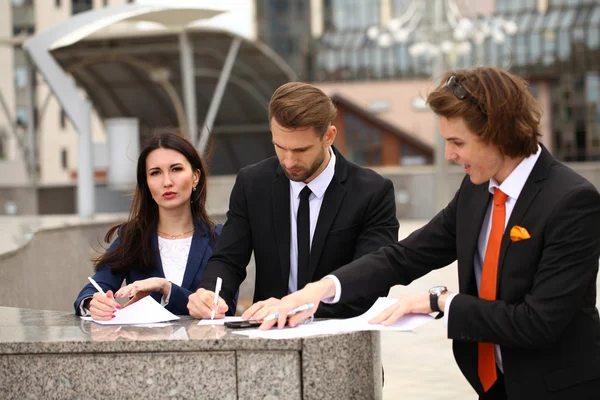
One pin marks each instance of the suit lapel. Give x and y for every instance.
(477, 207)
(332, 201)
(526, 198)
(160, 273)
(197, 249)
(280, 201)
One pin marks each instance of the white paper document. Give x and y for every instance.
(333, 326)
(221, 321)
(144, 311)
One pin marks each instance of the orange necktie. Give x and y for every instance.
(487, 289)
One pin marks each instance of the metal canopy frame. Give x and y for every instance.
(78, 109)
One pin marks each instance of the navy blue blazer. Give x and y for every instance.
(200, 251)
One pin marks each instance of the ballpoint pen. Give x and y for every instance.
(95, 284)
(99, 289)
(217, 290)
(292, 312)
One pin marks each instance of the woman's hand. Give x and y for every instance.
(102, 307)
(140, 289)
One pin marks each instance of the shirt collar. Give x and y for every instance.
(513, 184)
(318, 185)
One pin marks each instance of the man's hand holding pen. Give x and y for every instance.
(201, 305)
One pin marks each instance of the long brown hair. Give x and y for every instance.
(135, 248)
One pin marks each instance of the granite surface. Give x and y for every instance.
(342, 367)
(269, 375)
(42, 331)
(165, 375)
(53, 354)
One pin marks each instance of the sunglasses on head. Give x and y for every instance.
(462, 94)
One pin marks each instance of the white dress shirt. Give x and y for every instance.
(318, 186)
(512, 186)
(174, 255)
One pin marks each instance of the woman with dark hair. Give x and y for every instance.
(163, 248)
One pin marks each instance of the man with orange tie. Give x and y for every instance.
(525, 230)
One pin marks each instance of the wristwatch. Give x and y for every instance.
(434, 294)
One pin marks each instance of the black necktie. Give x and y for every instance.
(303, 231)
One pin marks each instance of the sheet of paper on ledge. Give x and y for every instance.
(144, 311)
(219, 321)
(333, 326)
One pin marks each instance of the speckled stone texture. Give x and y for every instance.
(55, 355)
(342, 367)
(119, 376)
(269, 375)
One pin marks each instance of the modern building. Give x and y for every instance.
(128, 73)
(555, 46)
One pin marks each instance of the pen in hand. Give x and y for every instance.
(95, 284)
(102, 292)
(303, 307)
(216, 301)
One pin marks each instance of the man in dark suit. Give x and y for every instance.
(304, 213)
(525, 230)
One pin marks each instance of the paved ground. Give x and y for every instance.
(420, 365)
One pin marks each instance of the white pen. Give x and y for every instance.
(217, 290)
(95, 284)
(292, 312)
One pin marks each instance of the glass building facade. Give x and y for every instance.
(557, 42)
(285, 26)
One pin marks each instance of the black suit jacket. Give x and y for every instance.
(545, 317)
(358, 216)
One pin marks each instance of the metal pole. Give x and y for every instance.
(188, 84)
(85, 170)
(441, 172)
(218, 95)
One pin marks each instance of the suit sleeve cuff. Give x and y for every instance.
(164, 301)
(447, 308)
(84, 312)
(338, 290)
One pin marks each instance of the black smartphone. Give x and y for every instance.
(242, 324)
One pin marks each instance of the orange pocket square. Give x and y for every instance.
(519, 233)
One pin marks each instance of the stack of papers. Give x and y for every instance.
(356, 324)
(144, 311)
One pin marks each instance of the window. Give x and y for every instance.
(64, 158)
(23, 30)
(57, 3)
(21, 76)
(363, 140)
(22, 116)
(3, 145)
(63, 119)
(78, 6)
(351, 14)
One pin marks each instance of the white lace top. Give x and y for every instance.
(174, 255)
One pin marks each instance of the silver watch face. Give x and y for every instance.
(438, 290)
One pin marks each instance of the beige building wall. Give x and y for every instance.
(403, 99)
(54, 138)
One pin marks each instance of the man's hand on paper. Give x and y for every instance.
(201, 303)
(259, 310)
(102, 308)
(312, 293)
(140, 289)
(410, 304)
